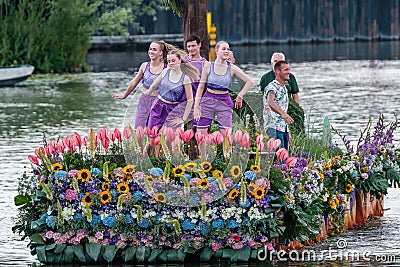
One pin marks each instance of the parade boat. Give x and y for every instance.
(10, 75)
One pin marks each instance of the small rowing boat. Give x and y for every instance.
(10, 75)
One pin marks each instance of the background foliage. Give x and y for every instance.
(54, 36)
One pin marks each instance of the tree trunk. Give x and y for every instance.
(194, 13)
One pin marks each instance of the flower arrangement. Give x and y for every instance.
(103, 198)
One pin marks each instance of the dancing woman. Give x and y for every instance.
(173, 84)
(216, 79)
(148, 72)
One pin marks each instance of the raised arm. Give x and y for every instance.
(235, 70)
(133, 83)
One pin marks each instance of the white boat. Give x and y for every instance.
(12, 75)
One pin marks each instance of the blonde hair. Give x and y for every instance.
(186, 67)
(219, 44)
(166, 47)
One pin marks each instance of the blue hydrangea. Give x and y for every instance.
(77, 216)
(95, 220)
(109, 221)
(81, 195)
(156, 172)
(236, 186)
(62, 175)
(44, 216)
(137, 195)
(114, 193)
(218, 223)
(232, 224)
(249, 175)
(204, 228)
(211, 180)
(270, 198)
(245, 204)
(95, 171)
(51, 221)
(354, 173)
(144, 223)
(128, 218)
(156, 218)
(188, 177)
(187, 225)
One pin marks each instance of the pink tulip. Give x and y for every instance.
(291, 161)
(61, 146)
(199, 137)
(84, 141)
(209, 139)
(147, 131)
(237, 136)
(282, 153)
(77, 139)
(140, 132)
(217, 137)
(277, 144)
(179, 133)
(273, 144)
(112, 137)
(260, 146)
(154, 131)
(187, 135)
(168, 132)
(70, 144)
(33, 159)
(50, 149)
(157, 140)
(127, 132)
(246, 141)
(118, 135)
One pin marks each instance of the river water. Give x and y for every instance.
(348, 82)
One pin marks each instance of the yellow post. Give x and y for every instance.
(212, 34)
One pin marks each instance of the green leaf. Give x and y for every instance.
(109, 252)
(129, 253)
(68, 255)
(41, 253)
(140, 254)
(78, 251)
(22, 200)
(154, 254)
(59, 248)
(243, 254)
(51, 246)
(230, 254)
(302, 238)
(176, 255)
(37, 238)
(206, 254)
(93, 250)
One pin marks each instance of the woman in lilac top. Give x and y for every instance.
(173, 83)
(147, 73)
(216, 79)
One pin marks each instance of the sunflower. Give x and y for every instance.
(205, 166)
(56, 167)
(110, 175)
(349, 188)
(255, 168)
(129, 169)
(190, 165)
(217, 174)
(150, 178)
(203, 183)
(251, 187)
(123, 188)
(127, 177)
(235, 171)
(84, 175)
(87, 199)
(178, 170)
(105, 186)
(332, 204)
(105, 197)
(321, 175)
(259, 192)
(234, 193)
(160, 198)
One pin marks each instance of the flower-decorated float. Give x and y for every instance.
(101, 198)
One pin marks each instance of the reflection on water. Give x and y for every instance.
(348, 91)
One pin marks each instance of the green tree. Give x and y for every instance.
(54, 35)
(114, 17)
